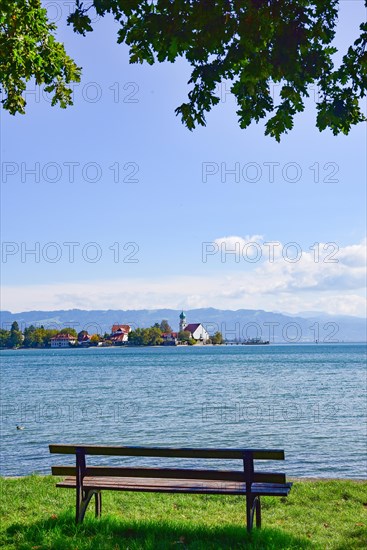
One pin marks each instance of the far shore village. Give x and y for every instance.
(195, 333)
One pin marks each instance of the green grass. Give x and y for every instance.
(35, 515)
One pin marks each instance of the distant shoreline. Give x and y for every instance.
(71, 348)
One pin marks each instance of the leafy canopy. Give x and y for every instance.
(250, 44)
(28, 49)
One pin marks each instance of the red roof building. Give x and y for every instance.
(197, 331)
(120, 334)
(120, 328)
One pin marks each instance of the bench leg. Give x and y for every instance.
(98, 503)
(253, 508)
(258, 512)
(82, 501)
(249, 512)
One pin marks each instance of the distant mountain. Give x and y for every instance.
(234, 325)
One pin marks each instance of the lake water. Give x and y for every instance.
(309, 400)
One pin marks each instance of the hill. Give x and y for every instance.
(234, 325)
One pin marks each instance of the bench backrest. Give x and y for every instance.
(246, 474)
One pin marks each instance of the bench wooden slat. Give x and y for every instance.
(170, 473)
(176, 486)
(261, 454)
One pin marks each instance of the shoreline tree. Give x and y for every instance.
(185, 336)
(16, 336)
(249, 44)
(151, 336)
(165, 326)
(217, 338)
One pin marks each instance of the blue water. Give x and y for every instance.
(309, 400)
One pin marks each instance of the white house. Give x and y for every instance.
(120, 333)
(62, 340)
(197, 331)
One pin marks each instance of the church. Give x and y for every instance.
(197, 331)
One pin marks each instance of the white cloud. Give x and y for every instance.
(231, 242)
(355, 255)
(336, 287)
(286, 267)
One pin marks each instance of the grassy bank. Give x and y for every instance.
(317, 514)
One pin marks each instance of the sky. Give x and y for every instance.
(114, 204)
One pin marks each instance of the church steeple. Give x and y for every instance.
(182, 321)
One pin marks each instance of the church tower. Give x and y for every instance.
(182, 321)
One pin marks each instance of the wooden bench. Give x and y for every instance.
(91, 480)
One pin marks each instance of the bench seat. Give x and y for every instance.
(159, 485)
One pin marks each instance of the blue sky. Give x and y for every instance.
(164, 218)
